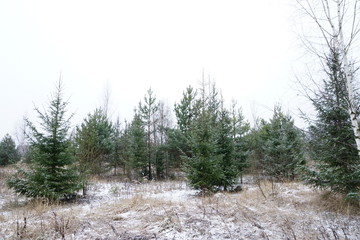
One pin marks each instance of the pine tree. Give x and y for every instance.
(204, 167)
(255, 142)
(51, 173)
(94, 138)
(239, 131)
(177, 147)
(138, 149)
(125, 152)
(115, 158)
(180, 139)
(282, 146)
(225, 149)
(332, 140)
(8, 152)
(212, 165)
(147, 112)
(186, 111)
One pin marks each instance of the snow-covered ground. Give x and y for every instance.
(172, 210)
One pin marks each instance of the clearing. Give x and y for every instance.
(172, 210)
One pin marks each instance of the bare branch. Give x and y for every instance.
(311, 13)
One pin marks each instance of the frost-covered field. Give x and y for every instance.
(171, 210)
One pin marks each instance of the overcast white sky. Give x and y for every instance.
(248, 47)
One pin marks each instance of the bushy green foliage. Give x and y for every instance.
(240, 131)
(213, 163)
(51, 173)
(332, 142)
(187, 110)
(8, 152)
(282, 146)
(116, 159)
(95, 142)
(137, 148)
(180, 138)
(225, 149)
(124, 150)
(177, 146)
(204, 167)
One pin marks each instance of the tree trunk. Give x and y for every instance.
(348, 75)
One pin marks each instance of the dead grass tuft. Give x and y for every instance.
(335, 203)
(7, 171)
(40, 223)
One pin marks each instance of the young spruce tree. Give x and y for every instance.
(282, 146)
(204, 169)
(226, 150)
(51, 174)
(212, 165)
(239, 131)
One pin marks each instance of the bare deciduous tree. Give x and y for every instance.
(338, 25)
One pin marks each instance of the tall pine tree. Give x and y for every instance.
(332, 140)
(147, 112)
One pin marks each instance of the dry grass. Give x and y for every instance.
(38, 220)
(335, 203)
(168, 210)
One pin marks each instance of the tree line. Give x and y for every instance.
(212, 144)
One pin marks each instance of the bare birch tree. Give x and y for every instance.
(338, 24)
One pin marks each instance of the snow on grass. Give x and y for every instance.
(172, 210)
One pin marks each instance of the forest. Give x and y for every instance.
(171, 172)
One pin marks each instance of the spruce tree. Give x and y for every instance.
(204, 167)
(51, 173)
(225, 149)
(282, 146)
(239, 131)
(255, 142)
(8, 152)
(212, 165)
(332, 141)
